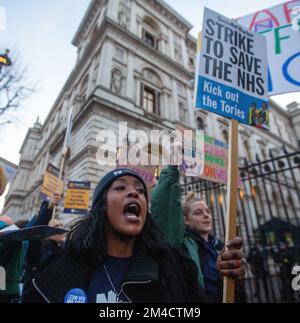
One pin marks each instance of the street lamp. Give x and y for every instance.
(4, 59)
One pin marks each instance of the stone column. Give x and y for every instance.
(165, 104)
(104, 73)
(133, 22)
(175, 110)
(184, 53)
(139, 92)
(171, 44)
(130, 77)
(92, 76)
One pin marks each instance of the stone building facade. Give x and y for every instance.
(136, 62)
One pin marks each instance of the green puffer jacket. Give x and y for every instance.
(166, 210)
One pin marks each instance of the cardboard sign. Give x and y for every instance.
(148, 174)
(77, 198)
(193, 152)
(51, 183)
(127, 158)
(216, 161)
(232, 75)
(280, 26)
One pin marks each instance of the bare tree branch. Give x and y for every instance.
(14, 86)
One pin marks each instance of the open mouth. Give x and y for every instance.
(207, 223)
(132, 211)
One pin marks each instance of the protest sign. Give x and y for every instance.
(193, 151)
(147, 172)
(232, 75)
(216, 161)
(280, 26)
(77, 198)
(51, 183)
(232, 82)
(128, 158)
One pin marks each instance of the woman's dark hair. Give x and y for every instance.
(86, 239)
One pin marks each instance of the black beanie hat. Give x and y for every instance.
(110, 177)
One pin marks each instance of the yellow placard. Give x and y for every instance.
(51, 183)
(77, 198)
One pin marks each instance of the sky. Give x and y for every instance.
(42, 31)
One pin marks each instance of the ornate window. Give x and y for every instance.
(149, 100)
(150, 32)
(150, 91)
(149, 39)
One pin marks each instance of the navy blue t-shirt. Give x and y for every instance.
(106, 281)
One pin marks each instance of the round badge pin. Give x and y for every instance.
(76, 295)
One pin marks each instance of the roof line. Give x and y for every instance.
(175, 13)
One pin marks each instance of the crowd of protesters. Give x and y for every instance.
(122, 252)
(130, 249)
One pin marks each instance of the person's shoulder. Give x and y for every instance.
(183, 260)
(60, 275)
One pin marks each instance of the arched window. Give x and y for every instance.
(149, 103)
(150, 91)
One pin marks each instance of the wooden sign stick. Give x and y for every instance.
(229, 284)
(62, 165)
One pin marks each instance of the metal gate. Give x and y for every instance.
(268, 222)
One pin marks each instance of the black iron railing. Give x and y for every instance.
(268, 222)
